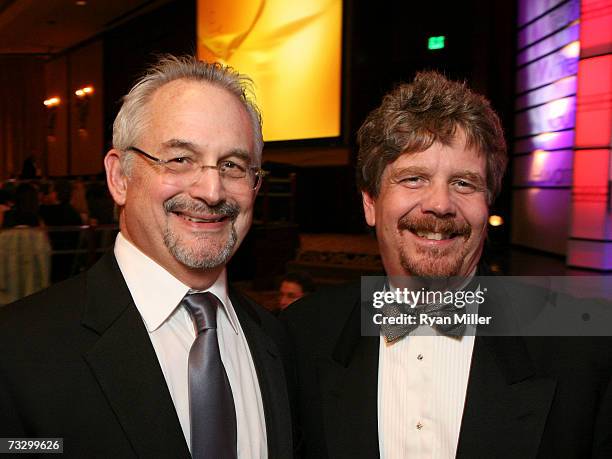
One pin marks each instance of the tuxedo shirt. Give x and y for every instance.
(157, 296)
(422, 383)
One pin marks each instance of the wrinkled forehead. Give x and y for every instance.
(187, 94)
(457, 154)
(198, 112)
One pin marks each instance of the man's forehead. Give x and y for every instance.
(178, 108)
(457, 156)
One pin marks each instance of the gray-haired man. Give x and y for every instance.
(150, 353)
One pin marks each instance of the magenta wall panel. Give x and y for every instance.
(590, 242)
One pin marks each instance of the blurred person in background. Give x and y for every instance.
(293, 286)
(5, 204)
(100, 204)
(29, 169)
(25, 212)
(78, 199)
(57, 213)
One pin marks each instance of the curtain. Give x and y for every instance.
(22, 113)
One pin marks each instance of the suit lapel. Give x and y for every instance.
(505, 410)
(271, 377)
(506, 403)
(125, 366)
(349, 381)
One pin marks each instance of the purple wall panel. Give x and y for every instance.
(557, 19)
(553, 116)
(544, 123)
(561, 88)
(546, 141)
(546, 70)
(543, 169)
(556, 41)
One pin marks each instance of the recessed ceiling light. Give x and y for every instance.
(81, 2)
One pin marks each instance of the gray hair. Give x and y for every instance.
(131, 119)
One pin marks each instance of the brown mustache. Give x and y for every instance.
(431, 224)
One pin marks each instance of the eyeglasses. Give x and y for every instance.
(235, 174)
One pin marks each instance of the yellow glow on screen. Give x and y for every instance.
(291, 50)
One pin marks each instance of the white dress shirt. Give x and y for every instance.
(157, 295)
(422, 382)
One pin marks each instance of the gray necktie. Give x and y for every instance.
(395, 332)
(211, 404)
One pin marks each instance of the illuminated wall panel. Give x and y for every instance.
(291, 50)
(545, 141)
(546, 70)
(591, 171)
(561, 88)
(589, 254)
(530, 9)
(543, 169)
(590, 241)
(594, 119)
(547, 45)
(557, 18)
(596, 17)
(556, 115)
(545, 104)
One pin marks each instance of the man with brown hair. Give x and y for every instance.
(431, 161)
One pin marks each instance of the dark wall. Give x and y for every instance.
(129, 48)
(388, 44)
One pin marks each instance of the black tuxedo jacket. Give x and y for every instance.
(526, 397)
(76, 362)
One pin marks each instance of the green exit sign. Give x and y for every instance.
(436, 42)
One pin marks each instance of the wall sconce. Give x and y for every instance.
(496, 220)
(52, 103)
(83, 97)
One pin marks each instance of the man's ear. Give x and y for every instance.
(256, 190)
(369, 208)
(115, 176)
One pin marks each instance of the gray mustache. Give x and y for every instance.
(182, 204)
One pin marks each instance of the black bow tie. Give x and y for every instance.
(448, 327)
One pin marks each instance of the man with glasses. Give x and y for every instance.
(150, 353)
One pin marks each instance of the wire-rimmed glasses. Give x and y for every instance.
(235, 173)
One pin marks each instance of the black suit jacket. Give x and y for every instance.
(526, 397)
(76, 362)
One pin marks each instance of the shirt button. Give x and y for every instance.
(419, 426)
(420, 357)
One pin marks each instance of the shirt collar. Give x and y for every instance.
(155, 291)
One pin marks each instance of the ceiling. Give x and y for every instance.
(50, 26)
